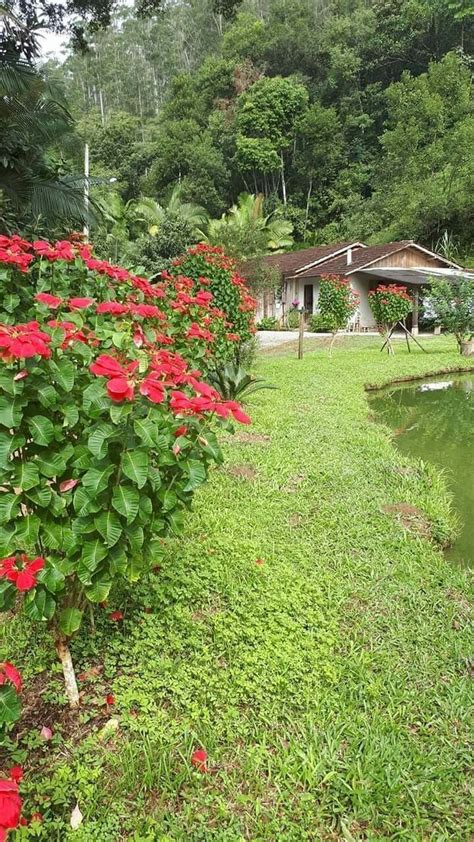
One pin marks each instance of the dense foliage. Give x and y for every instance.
(355, 118)
(108, 425)
(453, 305)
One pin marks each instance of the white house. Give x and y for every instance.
(366, 267)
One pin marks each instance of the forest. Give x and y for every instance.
(258, 125)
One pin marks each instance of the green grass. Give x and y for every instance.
(329, 685)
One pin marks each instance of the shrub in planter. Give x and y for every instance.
(107, 428)
(337, 303)
(208, 265)
(453, 305)
(293, 319)
(389, 304)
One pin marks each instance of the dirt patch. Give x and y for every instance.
(406, 471)
(295, 520)
(293, 483)
(410, 517)
(242, 472)
(250, 438)
(462, 602)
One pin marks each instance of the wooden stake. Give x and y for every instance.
(301, 336)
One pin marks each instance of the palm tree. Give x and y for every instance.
(245, 230)
(149, 212)
(34, 117)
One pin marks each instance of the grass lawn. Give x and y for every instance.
(329, 684)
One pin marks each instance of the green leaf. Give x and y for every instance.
(52, 466)
(27, 529)
(41, 429)
(99, 590)
(51, 578)
(71, 415)
(97, 479)
(51, 534)
(10, 411)
(82, 457)
(146, 430)
(135, 568)
(39, 604)
(196, 473)
(10, 302)
(94, 397)
(9, 507)
(63, 373)
(5, 448)
(125, 501)
(135, 466)
(47, 396)
(167, 498)
(7, 539)
(135, 537)
(41, 496)
(8, 594)
(119, 412)
(118, 560)
(10, 705)
(70, 620)
(109, 526)
(176, 522)
(26, 476)
(84, 504)
(97, 441)
(93, 552)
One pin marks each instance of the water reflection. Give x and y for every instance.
(435, 421)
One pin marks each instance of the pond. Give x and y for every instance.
(434, 420)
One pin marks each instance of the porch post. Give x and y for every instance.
(416, 308)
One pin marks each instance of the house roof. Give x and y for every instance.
(294, 262)
(365, 257)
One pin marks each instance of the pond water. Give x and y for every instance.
(434, 420)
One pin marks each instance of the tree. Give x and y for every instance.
(453, 305)
(267, 120)
(34, 120)
(246, 231)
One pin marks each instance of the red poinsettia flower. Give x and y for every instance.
(16, 773)
(9, 673)
(109, 699)
(116, 616)
(21, 341)
(115, 308)
(80, 303)
(153, 388)
(10, 806)
(107, 366)
(21, 570)
(198, 759)
(120, 389)
(51, 301)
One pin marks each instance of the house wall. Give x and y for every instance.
(359, 283)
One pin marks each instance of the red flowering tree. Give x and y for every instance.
(337, 303)
(107, 427)
(210, 268)
(390, 304)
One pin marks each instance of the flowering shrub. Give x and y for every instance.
(389, 304)
(209, 265)
(453, 304)
(337, 303)
(107, 426)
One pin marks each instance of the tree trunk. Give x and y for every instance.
(333, 339)
(70, 682)
(283, 182)
(308, 197)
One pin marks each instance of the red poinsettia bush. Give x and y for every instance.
(214, 273)
(107, 427)
(390, 304)
(337, 302)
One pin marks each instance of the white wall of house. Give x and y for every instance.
(359, 284)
